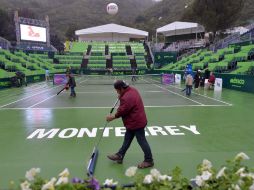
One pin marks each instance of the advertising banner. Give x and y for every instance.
(177, 79)
(237, 82)
(168, 79)
(218, 84)
(59, 79)
(162, 58)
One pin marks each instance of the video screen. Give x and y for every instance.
(33, 33)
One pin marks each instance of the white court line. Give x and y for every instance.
(28, 97)
(111, 92)
(152, 91)
(107, 107)
(41, 85)
(42, 101)
(205, 96)
(83, 81)
(202, 95)
(33, 88)
(176, 93)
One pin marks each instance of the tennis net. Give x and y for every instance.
(60, 79)
(110, 79)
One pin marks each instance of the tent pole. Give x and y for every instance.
(156, 38)
(196, 35)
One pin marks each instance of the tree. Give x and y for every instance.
(215, 15)
(28, 13)
(56, 42)
(140, 19)
(7, 25)
(7, 28)
(70, 33)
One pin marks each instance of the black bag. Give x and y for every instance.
(15, 82)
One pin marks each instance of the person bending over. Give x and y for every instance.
(72, 84)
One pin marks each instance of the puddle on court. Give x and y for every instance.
(35, 118)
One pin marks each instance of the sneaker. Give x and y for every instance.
(145, 165)
(116, 157)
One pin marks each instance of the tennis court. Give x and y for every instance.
(40, 129)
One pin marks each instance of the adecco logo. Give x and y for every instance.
(237, 81)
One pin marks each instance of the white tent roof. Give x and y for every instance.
(180, 28)
(111, 28)
(239, 29)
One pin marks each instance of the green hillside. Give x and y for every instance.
(82, 13)
(168, 11)
(143, 14)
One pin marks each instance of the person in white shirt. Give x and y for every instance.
(188, 83)
(47, 75)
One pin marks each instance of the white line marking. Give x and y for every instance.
(205, 96)
(83, 81)
(200, 95)
(42, 101)
(31, 96)
(152, 91)
(111, 92)
(21, 92)
(176, 93)
(107, 107)
(28, 97)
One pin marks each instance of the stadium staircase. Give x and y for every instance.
(88, 52)
(106, 50)
(109, 62)
(128, 50)
(150, 58)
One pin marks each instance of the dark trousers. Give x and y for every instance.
(133, 78)
(140, 136)
(188, 90)
(73, 93)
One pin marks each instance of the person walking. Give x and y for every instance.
(188, 82)
(197, 79)
(132, 112)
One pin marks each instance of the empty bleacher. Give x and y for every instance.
(78, 47)
(32, 64)
(235, 60)
(94, 55)
(119, 52)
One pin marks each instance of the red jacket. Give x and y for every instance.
(211, 79)
(132, 109)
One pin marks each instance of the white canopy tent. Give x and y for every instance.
(239, 29)
(110, 32)
(180, 28)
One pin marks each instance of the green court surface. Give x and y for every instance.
(40, 129)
